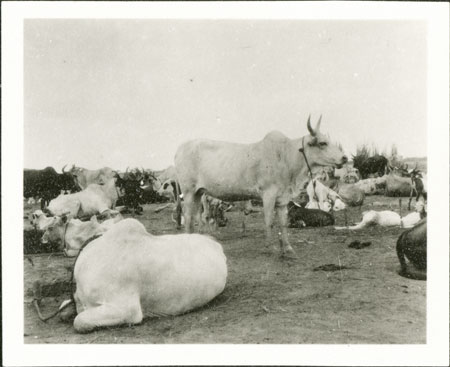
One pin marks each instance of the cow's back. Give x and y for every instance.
(234, 171)
(170, 274)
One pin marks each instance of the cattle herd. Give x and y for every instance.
(122, 273)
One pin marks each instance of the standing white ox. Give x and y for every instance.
(95, 199)
(270, 169)
(128, 274)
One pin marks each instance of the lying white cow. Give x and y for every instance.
(39, 220)
(95, 199)
(388, 218)
(73, 233)
(322, 197)
(128, 274)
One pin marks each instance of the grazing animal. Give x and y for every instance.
(418, 185)
(412, 245)
(302, 217)
(128, 274)
(95, 199)
(214, 212)
(73, 233)
(132, 186)
(270, 169)
(46, 184)
(372, 165)
(85, 177)
(322, 197)
(397, 186)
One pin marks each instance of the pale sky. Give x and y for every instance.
(124, 93)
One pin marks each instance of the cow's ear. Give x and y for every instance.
(94, 219)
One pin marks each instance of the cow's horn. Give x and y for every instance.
(310, 129)
(63, 168)
(318, 124)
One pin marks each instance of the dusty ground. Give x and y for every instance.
(270, 300)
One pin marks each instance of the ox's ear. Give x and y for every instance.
(94, 219)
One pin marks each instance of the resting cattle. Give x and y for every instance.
(350, 194)
(302, 217)
(73, 233)
(371, 165)
(46, 184)
(128, 274)
(387, 218)
(95, 199)
(412, 244)
(85, 177)
(270, 169)
(372, 186)
(322, 197)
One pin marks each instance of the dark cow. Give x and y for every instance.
(372, 165)
(133, 184)
(302, 217)
(418, 185)
(412, 244)
(47, 184)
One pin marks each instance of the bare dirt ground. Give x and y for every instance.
(271, 300)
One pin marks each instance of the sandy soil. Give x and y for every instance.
(271, 300)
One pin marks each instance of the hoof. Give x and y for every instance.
(289, 254)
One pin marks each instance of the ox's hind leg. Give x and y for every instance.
(286, 248)
(192, 206)
(269, 200)
(109, 314)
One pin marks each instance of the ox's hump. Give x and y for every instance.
(276, 136)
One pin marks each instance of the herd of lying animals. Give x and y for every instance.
(122, 273)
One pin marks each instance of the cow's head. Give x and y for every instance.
(54, 229)
(319, 150)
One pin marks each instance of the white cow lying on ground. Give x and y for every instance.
(73, 233)
(128, 274)
(95, 199)
(389, 218)
(322, 197)
(39, 220)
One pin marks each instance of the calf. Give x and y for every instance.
(128, 274)
(412, 245)
(301, 217)
(214, 212)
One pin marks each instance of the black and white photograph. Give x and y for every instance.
(225, 183)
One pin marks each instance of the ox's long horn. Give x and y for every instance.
(318, 124)
(310, 129)
(62, 169)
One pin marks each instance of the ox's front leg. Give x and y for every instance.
(189, 212)
(286, 248)
(126, 312)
